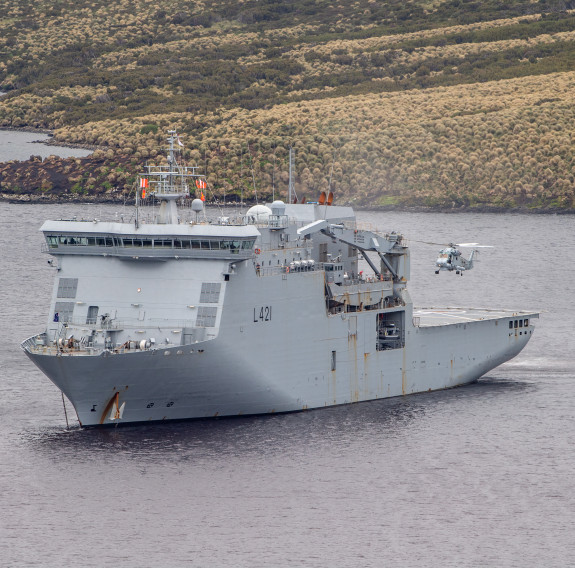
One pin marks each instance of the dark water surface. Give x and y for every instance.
(482, 475)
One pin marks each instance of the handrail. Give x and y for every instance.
(114, 324)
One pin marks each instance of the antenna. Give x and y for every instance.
(274, 175)
(253, 175)
(327, 200)
(242, 178)
(291, 189)
(137, 208)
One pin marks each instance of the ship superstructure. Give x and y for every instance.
(268, 312)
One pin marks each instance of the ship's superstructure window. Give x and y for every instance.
(518, 323)
(206, 316)
(56, 241)
(145, 243)
(210, 293)
(67, 287)
(64, 311)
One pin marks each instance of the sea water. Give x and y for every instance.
(17, 145)
(480, 475)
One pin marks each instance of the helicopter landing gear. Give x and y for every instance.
(437, 272)
(457, 272)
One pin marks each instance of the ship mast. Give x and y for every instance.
(168, 182)
(290, 183)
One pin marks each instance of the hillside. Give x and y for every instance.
(439, 104)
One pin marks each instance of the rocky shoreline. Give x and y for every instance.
(124, 200)
(99, 179)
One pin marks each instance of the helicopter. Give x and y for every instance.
(450, 258)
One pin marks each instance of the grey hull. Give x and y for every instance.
(214, 378)
(173, 320)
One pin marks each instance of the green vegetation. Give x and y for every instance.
(447, 104)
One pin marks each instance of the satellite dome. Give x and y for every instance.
(197, 205)
(258, 213)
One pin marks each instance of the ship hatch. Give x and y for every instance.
(390, 331)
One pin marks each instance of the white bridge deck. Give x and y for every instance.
(427, 317)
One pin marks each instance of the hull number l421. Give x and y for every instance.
(262, 314)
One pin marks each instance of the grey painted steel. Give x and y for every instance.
(287, 325)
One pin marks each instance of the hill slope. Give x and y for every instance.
(449, 104)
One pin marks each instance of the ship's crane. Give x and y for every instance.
(364, 241)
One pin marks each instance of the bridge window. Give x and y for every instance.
(73, 240)
(55, 241)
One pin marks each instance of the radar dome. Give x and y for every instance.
(197, 205)
(258, 213)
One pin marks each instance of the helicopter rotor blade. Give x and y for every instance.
(429, 243)
(474, 245)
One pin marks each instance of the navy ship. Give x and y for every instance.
(172, 318)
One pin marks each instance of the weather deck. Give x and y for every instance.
(429, 317)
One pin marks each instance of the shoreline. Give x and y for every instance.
(27, 197)
(33, 199)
